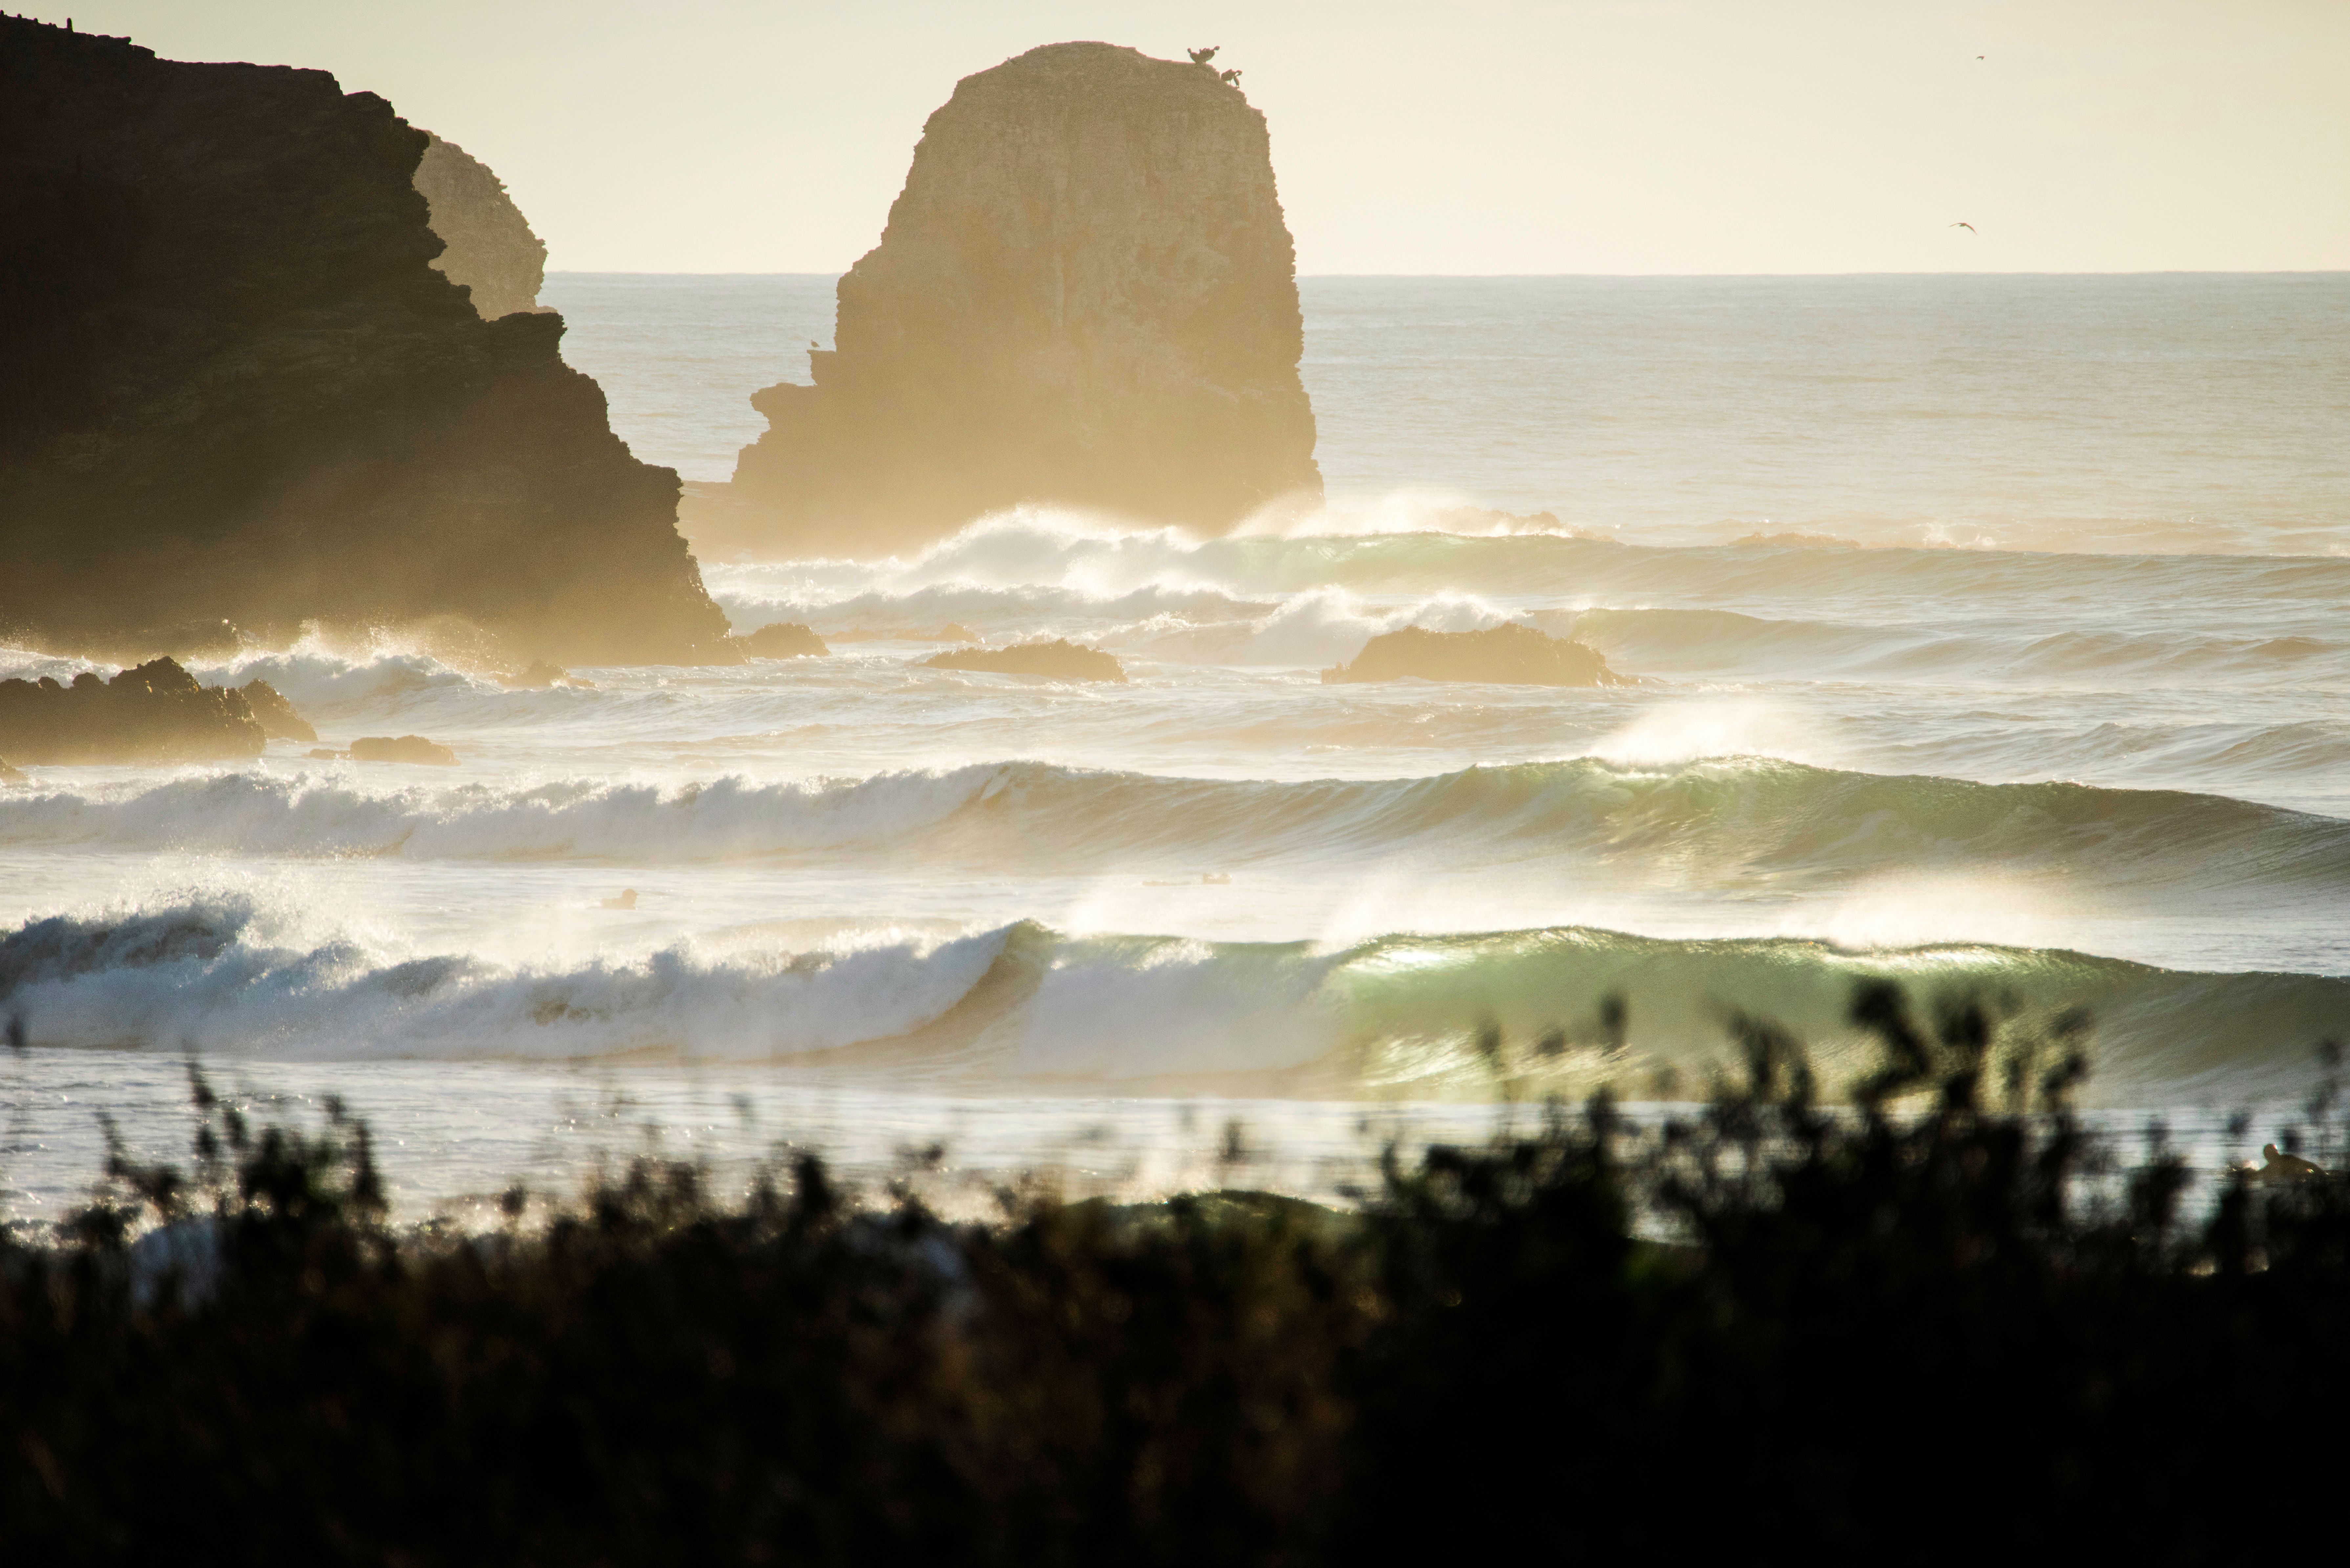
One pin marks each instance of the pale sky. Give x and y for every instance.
(1483, 136)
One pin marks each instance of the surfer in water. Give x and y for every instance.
(2277, 1168)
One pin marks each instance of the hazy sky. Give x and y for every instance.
(1481, 136)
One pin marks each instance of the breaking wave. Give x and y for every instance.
(1393, 1016)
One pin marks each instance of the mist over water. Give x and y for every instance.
(1988, 632)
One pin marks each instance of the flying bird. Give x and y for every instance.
(1969, 227)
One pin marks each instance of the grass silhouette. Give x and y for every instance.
(1926, 1325)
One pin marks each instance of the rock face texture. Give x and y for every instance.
(235, 388)
(1060, 659)
(156, 712)
(1086, 295)
(492, 250)
(1510, 655)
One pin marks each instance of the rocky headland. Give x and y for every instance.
(157, 713)
(1507, 655)
(1059, 659)
(492, 250)
(1086, 295)
(236, 387)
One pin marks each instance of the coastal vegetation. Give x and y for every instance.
(1949, 1311)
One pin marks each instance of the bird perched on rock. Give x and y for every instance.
(1201, 57)
(1229, 78)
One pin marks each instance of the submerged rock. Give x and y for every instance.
(275, 715)
(1059, 659)
(782, 640)
(1086, 295)
(492, 251)
(155, 712)
(402, 748)
(1510, 655)
(234, 388)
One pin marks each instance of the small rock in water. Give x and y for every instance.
(1059, 659)
(624, 900)
(1508, 655)
(402, 748)
(783, 639)
(541, 674)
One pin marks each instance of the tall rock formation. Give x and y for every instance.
(235, 387)
(492, 250)
(1086, 295)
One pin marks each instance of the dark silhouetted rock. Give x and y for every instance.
(235, 387)
(278, 718)
(1059, 659)
(782, 640)
(539, 675)
(402, 748)
(492, 250)
(156, 712)
(1086, 295)
(1509, 655)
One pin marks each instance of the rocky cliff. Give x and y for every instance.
(492, 250)
(236, 387)
(1086, 295)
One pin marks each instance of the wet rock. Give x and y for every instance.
(11, 775)
(1086, 295)
(1059, 659)
(492, 251)
(155, 712)
(782, 640)
(1509, 655)
(275, 715)
(540, 675)
(235, 387)
(402, 748)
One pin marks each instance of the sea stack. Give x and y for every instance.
(236, 387)
(492, 250)
(1086, 295)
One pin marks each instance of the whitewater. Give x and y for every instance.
(1989, 636)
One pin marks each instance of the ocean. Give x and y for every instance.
(1990, 633)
